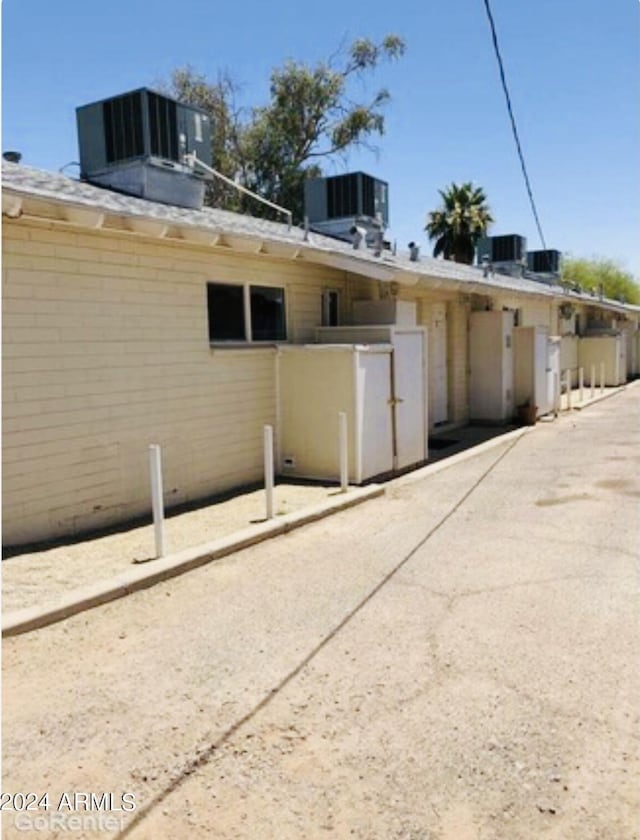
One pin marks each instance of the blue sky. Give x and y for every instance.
(572, 68)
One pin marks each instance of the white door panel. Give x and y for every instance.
(373, 398)
(409, 393)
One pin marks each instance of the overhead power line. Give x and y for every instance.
(513, 121)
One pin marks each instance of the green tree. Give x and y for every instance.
(591, 274)
(310, 118)
(218, 99)
(459, 223)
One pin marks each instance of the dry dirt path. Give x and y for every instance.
(43, 576)
(457, 660)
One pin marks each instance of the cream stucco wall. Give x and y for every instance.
(106, 350)
(534, 312)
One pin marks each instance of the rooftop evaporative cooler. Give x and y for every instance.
(339, 203)
(136, 142)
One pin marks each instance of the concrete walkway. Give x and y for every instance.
(48, 584)
(51, 584)
(130, 576)
(579, 398)
(456, 660)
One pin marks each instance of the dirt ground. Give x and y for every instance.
(456, 660)
(39, 577)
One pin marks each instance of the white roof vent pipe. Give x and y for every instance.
(358, 236)
(414, 252)
(487, 267)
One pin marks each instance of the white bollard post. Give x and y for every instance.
(568, 387)
(581, 383)
(268, 468)
(593, 381)
(344, 453)
(556, 393)
(157, 503)
(602, 377)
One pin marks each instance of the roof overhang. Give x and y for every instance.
(355, 265)
(55, 209)
(14, 204)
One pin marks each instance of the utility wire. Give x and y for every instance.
(513, 121)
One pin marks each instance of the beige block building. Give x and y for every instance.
(129, 323)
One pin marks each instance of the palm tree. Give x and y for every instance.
(458, 225)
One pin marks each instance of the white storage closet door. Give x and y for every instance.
(373, 436)
(553, 373)
(544, 386)
(409, 393)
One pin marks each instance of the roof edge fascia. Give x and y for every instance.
(91, 217)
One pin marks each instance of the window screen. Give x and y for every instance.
(267, 314)
(226, 312)
(330, 308)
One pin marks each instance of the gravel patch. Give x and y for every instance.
(40, 577)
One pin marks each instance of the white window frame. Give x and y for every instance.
(326, 306)
(248, 326)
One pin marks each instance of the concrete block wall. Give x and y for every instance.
(458, 313)
(106, 350)
(534, 312)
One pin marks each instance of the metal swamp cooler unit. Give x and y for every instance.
(333, 205)
(136, 143)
